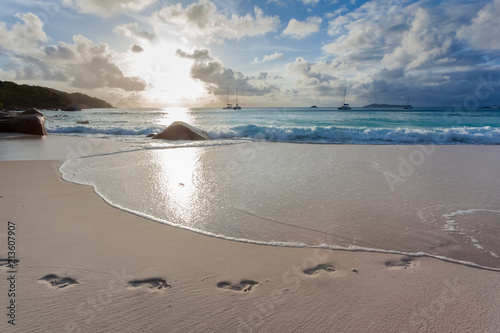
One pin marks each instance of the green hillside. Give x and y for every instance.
(87, 102)
(21, 96)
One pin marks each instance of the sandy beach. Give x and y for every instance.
(85, 266)
(249, 166)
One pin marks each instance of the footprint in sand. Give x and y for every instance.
(152, 283)
(328, 267)
(244, 285)
(59, 282)
(403, 262)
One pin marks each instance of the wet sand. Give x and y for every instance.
(85, 266)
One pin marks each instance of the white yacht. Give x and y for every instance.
(228, 106)
(497, 106)
(408, 106)
(237, 107)
(344, 105)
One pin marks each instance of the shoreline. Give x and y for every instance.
(93, 267)
(86, 262)
(85, 266)
(51, 148)
(408, 207)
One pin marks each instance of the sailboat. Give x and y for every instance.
(408, 106)
(237, 107)
(228, 105)
(344, 105)
(497, 106)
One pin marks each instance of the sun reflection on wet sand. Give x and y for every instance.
(174, 181)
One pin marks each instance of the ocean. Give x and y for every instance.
(383, 180)
(299, 125)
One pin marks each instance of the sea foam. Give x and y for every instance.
(459, 135)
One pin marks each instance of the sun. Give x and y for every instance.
(167, 76)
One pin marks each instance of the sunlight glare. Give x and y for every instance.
(167, 76)
(177, 114)
(178, 170)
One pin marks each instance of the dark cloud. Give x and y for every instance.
(262, 76)
(136, 48)
(35, 69)
(62, 51)
(82, 64)
(218, 79)
(100, 73)
(201, 54)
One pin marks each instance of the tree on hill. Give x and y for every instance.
(14, 96)
(87, 102)
(18, 97)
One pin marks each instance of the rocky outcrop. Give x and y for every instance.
(30, 121)
(72, 107)
(180, 130)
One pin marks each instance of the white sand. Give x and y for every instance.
(20, 147)
(85, 266)
(66, 230)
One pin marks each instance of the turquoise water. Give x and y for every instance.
(304, 125)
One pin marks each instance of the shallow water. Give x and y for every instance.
(438, 200)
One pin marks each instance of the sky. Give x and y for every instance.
(279, 53)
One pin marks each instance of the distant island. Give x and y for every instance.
(383, 106)
(14, 96)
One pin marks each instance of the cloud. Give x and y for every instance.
(269, 57)
(202, 19)
(342, 9)
(312, 77)
(136, 48)
(5, 76)
(83, 64)
(32, 68)
(217, 78)
(199, 54)
(310, 2)
(23, 37)
(382, 35)
(317, 82)
(101, 72)
(298, 30)
(107, 8)
(384, 50)
(131, 30)
(90, 66)
(421, 44)
(482, 33)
